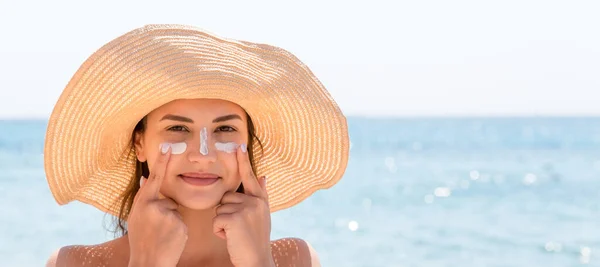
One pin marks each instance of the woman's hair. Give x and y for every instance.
(141, 169)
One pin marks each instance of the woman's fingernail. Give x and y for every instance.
(164, 148)
(141, 181)
(244, 148)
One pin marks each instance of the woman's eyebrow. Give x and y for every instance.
(177, 118)
(227, 117)
(186, 119)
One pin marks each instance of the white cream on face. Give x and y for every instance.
(226, 147)
(179, 148)
(176, 148)
(203, 143)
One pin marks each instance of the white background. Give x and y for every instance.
(394, 58)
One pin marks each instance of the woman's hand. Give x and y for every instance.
(156, 233)
(244, 220)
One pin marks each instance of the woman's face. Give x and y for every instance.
(182, 121)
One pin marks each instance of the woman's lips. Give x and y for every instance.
(199, 178)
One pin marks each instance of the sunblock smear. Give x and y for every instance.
(203, 143)
(176, 148)
(179, 148)
(226, 147)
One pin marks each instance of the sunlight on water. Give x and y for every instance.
(585, 252)
(442, 192)
(529, 179)
(552, 246)
(390, 163)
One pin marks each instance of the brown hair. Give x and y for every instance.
(141, 169)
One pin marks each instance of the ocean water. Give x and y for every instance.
(417, 192)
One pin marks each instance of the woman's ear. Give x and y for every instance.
(139, 146)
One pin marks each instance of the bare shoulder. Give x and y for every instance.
(293, 251)
(105, 254)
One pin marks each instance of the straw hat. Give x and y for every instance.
(88, 156)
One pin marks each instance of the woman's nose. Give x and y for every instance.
(202, 150)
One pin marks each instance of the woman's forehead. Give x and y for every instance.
(202, 105)
(198, 107)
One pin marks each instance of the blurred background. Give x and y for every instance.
(475, 127)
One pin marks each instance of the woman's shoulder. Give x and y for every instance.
(103, 254)
(288, 251)
(292, 251)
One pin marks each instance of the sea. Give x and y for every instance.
(418, 191)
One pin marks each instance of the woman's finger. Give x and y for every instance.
(137, 194)
(251, 186)
(167, 203)
(221, 224)
(153, 183)
(233, 197)
(229, 208)
(263, 186)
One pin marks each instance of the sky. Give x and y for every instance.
(376, 58)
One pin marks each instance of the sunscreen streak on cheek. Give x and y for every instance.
(203, 144)
(176, 148)
(230, 147)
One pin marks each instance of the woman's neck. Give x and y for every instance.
(202, 246)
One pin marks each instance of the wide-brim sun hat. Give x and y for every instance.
(88, 154)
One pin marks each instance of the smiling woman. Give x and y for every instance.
(190, 142)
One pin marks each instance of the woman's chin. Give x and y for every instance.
(199, 202)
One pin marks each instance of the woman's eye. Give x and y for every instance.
(177, 128)
(225, 129)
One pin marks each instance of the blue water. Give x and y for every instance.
(417, 192)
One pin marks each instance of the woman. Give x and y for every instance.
(191, 140)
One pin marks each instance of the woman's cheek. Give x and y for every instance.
(229, 161)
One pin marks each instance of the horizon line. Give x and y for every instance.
(397, 116)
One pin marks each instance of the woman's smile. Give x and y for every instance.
(199, 178)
